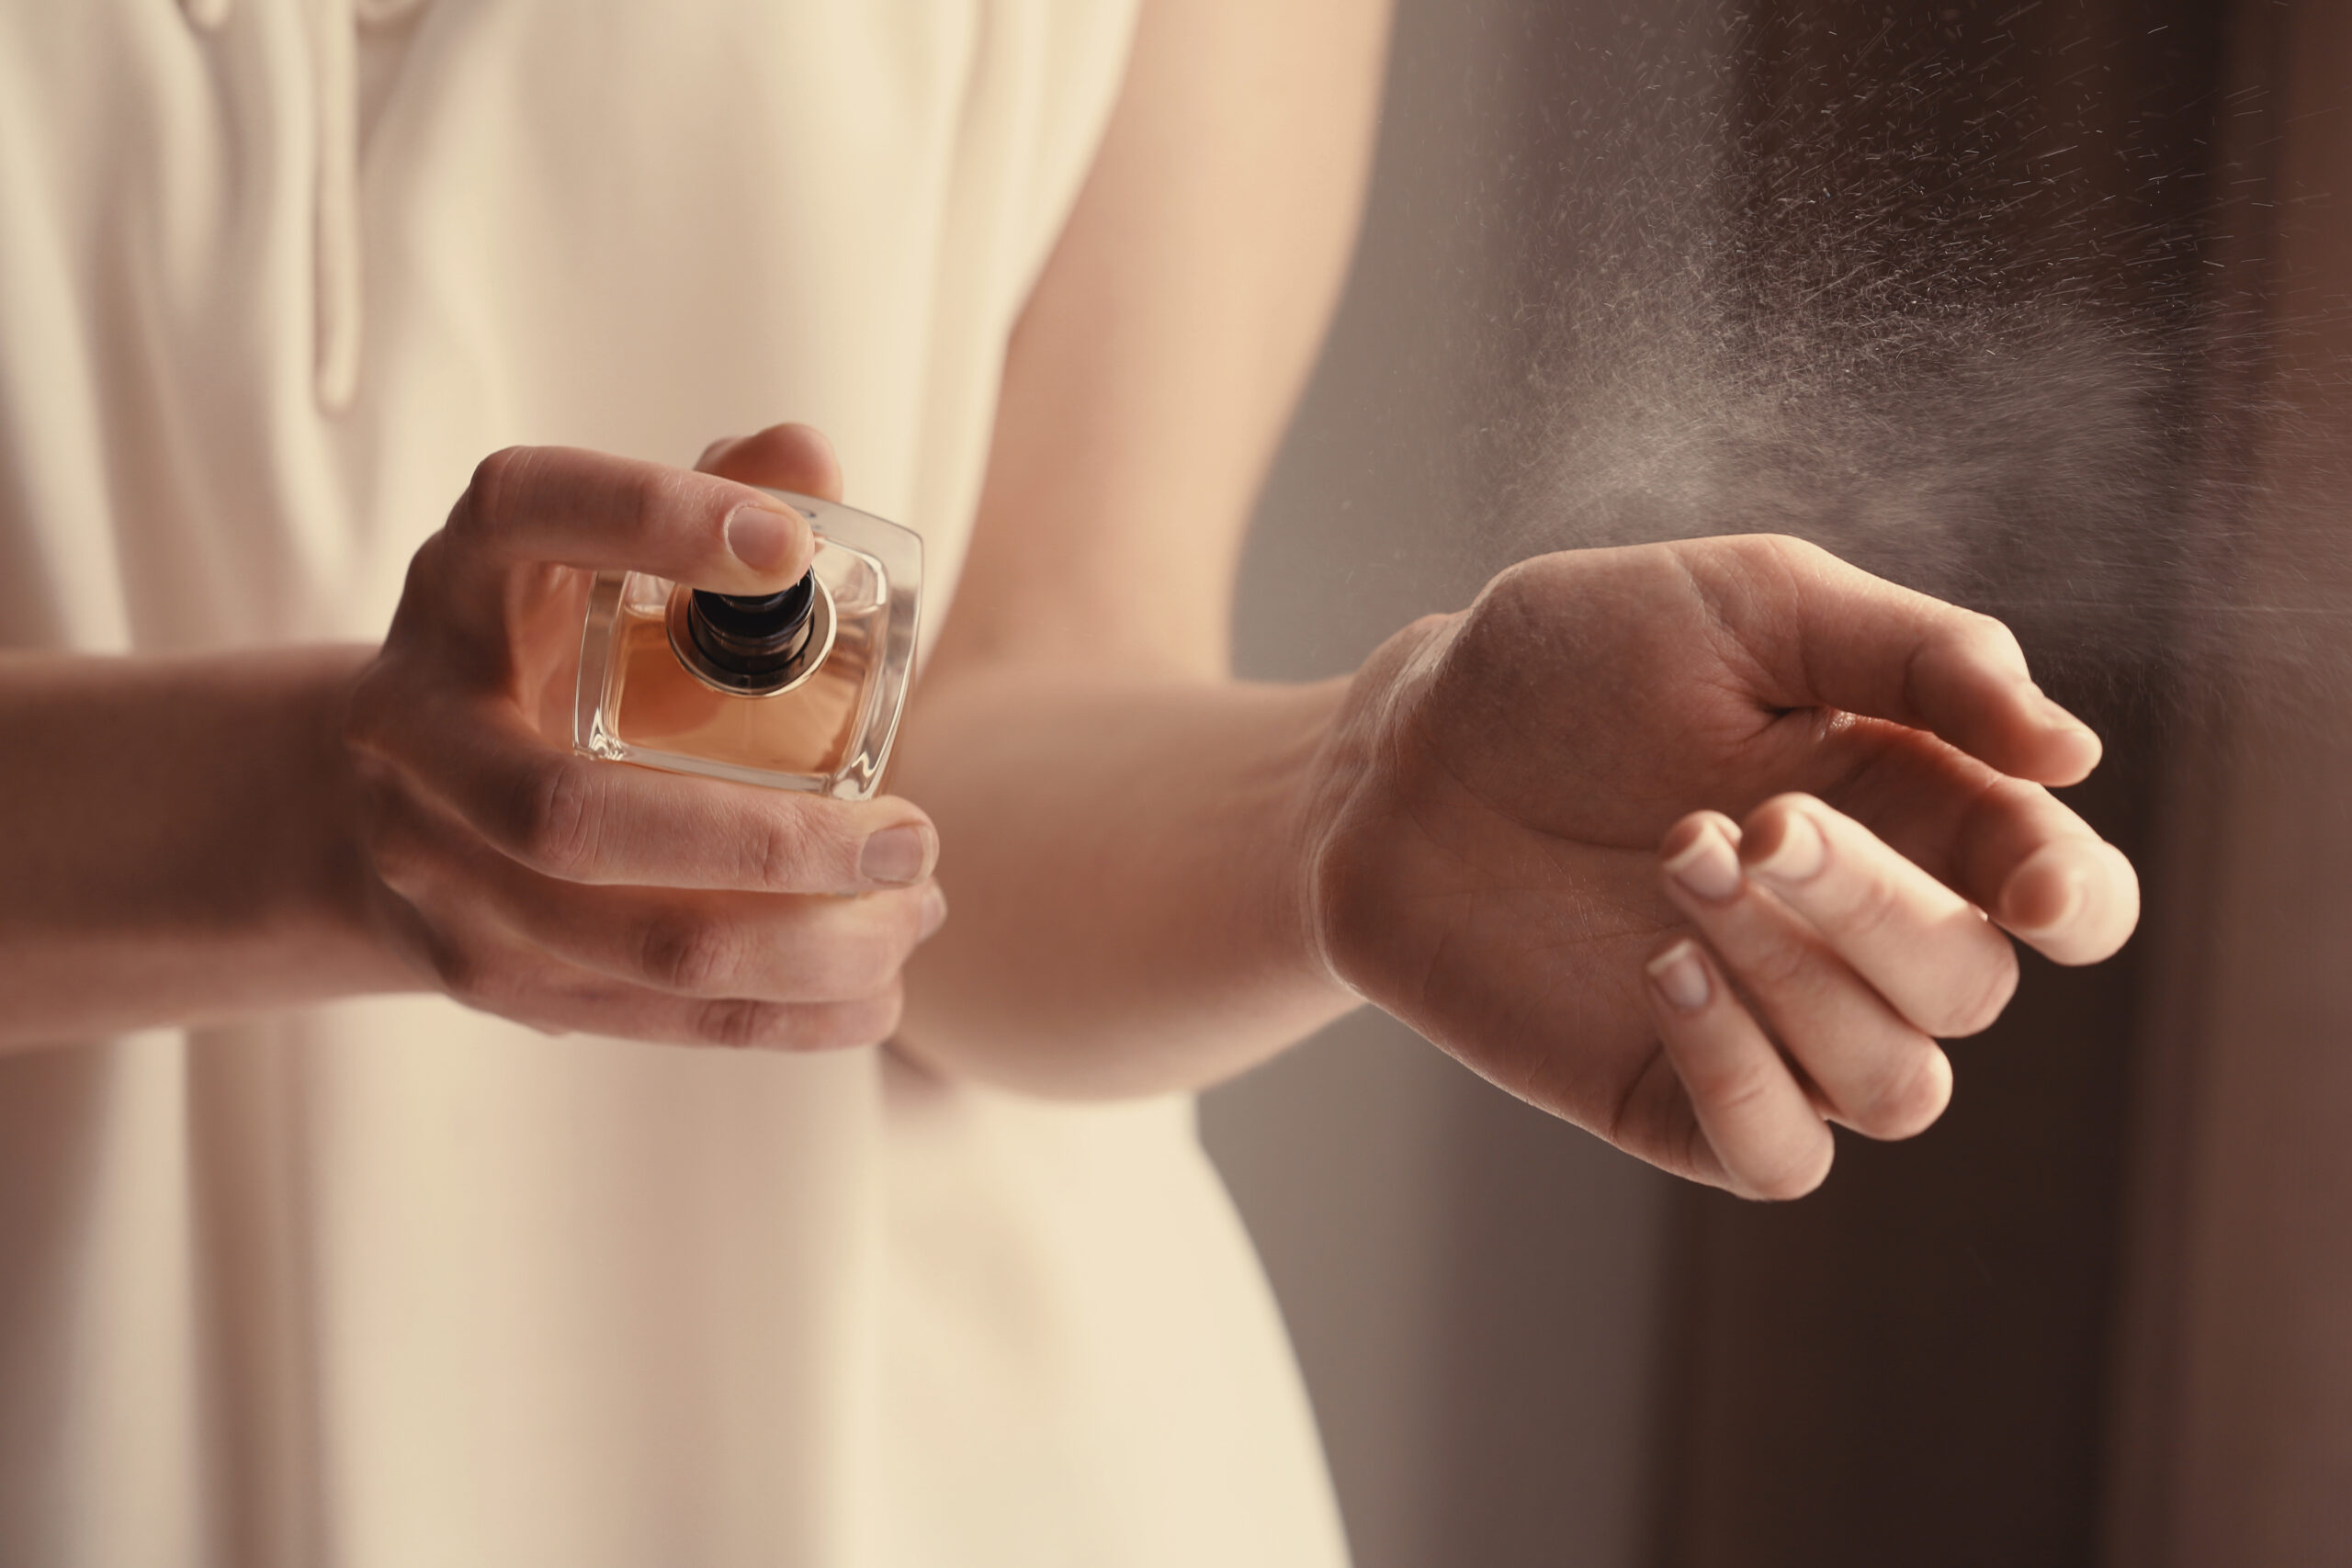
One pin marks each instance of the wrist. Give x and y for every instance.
(280, 883)
(1313, 761)
(1355, 822)
(332, 896)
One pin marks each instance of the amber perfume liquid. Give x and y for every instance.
(794, 693)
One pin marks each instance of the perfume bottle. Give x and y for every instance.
(798, 689)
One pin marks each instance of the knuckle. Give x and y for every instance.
(1739, 1089)
(1508, 613)
(1873, 907)
(773, 854)
(561, 818)
(658, 496)
(1783, 550)
(1981, 639)
(1515, 584)
(739, 1024)
(1753, 561)
(419, 622)
(1999, 801)
(795, 849)
(486, 492)
(689, 952)
(2002, 797)
(1974, 1010)
(1994, 634)
(735, 1022)
(1779, 965)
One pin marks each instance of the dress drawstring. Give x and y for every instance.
(335, 238)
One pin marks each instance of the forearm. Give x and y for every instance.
(1121, 827)
(1122, 859)
(176, 845)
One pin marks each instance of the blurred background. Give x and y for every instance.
(2036, 304)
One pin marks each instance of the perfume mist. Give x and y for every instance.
(797, 690)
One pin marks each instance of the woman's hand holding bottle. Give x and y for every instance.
(1518, 844)
(572, 894)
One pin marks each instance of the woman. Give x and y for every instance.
(378, 1217)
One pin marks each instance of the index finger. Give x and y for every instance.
(570, 507)
(1863, 645)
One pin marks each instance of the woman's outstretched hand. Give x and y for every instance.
(573, 894)
(1703, 845)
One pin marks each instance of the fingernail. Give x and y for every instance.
(760, 538)
(897, 856)
(1799, 854)
(1707, 867)
(1681, 978)
(935, 912)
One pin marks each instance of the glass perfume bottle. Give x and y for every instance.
(798, 689)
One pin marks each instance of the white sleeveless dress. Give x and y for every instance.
(392, 1283)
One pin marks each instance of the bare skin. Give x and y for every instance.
(1512, 864)
(1700, 846)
